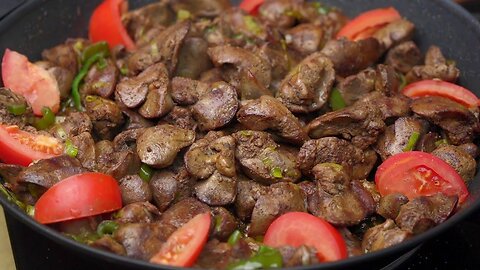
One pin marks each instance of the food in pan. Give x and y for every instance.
(277, 133)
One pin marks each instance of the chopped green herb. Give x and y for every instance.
(17, 109)
(252, 25)
(246, 133)
(267, 161)
(234, 237)
(154, 49)
(47, 120)
(321, 8)
(146, 172)
(183, 15)
(403, 81)
(107, 227)
(124, 71)
(441, 142)
(218, 223)
(294, 14)
(99, 84)
(276, 172)
(336, 100)
(70, 148)
(412, 141)
(265, 258)
(102, 63)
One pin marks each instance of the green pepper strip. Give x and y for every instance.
(412, 141)
(145, 172)
(17, 109)
(336, 100)
(107, 227)
(12, 198)
(78, 79)
(99, 47)
(265, 258)
(47, 120)
(234, 237)
(70, 148)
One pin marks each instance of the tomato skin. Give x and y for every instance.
(13, 151)
(417, 174)
(106, 24)
(299, 228)
(251, 6)
(78, 196)
(34, 83)
(443, 89)
(185, 245)
(361, 26)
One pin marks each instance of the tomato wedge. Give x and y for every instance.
(298, 228)
(79, 196)
(251, 6)
(363, 25)
(419, 174)
(443, 89)
(184, 246)
(22, 148)
(106, 24)
(34, 83)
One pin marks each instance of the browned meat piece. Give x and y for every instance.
(404, 57)
(181, 212)
(106, 116)
(164, 48)
(305, 38)
(140, 240)
(74, 124)
(268, 113)
(216, 107)
(331, 22)
(134, 189)
(135, 120)
(158, 146)
(48, 172)
(224, 223)
(459, 159)
(64, 78)
(436, 67)
(117, 163)
(186, 91)
(181, 117)
(215, 255)
(101, 81)
(383, 236)
(62, 55)
(217, 190)
(298, 256)
(139, 21)
(339, 200)
(9, 173)
(126, 140)
(9, 98)
(371, 187)
(240, 25)
(109, 244)
(397, 136)
(248, 193)
(387, 81)
(169, 186)
(307, 87)
(422, 213)
(132, 91)
(211, 76)
(279, 199)
(390, 205)
(193, 59)
(395, 33)
(159, 100)
(139, 212)
(391, 107)
(355, 86)
(458, 122)
(276, 12)
(350, 57)
(353, 243)
(281, 61)
(201, 8)
(263, 160)
(103, 147)
(361, 123)
(470, 148)
(334, 150)
(86, 150)
(426, 143)
(249, 73)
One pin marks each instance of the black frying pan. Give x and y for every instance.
(39, 24)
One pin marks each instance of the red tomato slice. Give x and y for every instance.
(79, 196)
(441, 88)
(22, 148)
(366, 21)
(184, 246)
(34, 83)
(106, 24)
(417, 174)
(251, 6)
(298, 228)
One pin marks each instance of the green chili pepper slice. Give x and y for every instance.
(336, 100)
(47, 120)
(70, 148)
(441, 142)
(145, 172)
(17, 109)
(78, 79)
(107, 227)
(99, 47)
(412, 141)
(183, 15)
(276, 172)
(265, 258)
(234, 237)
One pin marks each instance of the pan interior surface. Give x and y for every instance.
(40, 24)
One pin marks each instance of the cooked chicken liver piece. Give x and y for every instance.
(395, 33)
(225, 223)
(186, 91)
(138, 212)
(305, 38)
(390, 205)
(298, 256)
(383, 236)
(134, 189)
(248, 193)
(436, 67)
(141, 240)
(106, 115)
(100, 81)
(86, 150)
(404, 57)
(459, 159)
